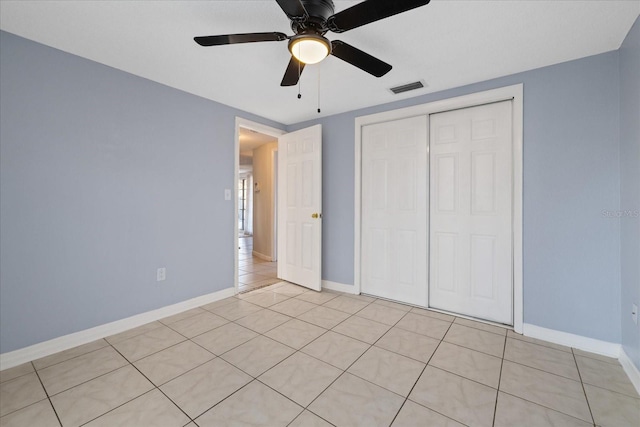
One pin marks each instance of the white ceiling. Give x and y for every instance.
(250, 140)
(446, 44)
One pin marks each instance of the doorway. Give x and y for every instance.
(292, 194)
(256, 207)
(402, 277)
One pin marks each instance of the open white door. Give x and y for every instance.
(300, 207)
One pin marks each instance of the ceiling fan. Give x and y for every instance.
(310, 21)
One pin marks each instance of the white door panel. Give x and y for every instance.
(394, 210)
(471, 212)
(300, 207)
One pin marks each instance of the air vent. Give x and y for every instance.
(406, 88)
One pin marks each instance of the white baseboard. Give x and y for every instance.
(592, 345)
(630, 368)
(261, 256)
(340, 287)
(46, 348)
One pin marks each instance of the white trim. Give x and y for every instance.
(632, 370)
(580, 342)
(592, 345)
(518, 213)
(46, 348)
(258, 127)
(261, 255)
(514, 92)
(340, 287)
(357, 208)
(274, 186)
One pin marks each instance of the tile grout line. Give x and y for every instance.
(473, 349)
(543, 406)
(218, 403)
(372, 345)
(537, 403)
(344, 371)
(154, 387)
(219, 355)
(514, 395)
(614, 392)
(133, 336)
(583, 388)
(521, 337)
(306, 409)
(46, 394)
(256, 377)
(341, 322)
(93, 378)
(119, 406)
(420, 376)
(215, 356)
(71, 358)
(542, 370)
(495, 407)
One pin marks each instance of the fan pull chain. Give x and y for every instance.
(318, 88)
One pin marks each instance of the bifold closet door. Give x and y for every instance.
(394, 210)
(470, 263)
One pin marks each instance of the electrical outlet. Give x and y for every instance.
(634, 313)
(161, 274)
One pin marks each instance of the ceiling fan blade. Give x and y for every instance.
(370, 11)
(294, 9)
(292, 75)
(360, 59)
(239, 38)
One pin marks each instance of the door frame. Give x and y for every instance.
(514, 93)
(267, 130)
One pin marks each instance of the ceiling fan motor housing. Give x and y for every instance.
(319, 12)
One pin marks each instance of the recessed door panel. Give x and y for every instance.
(446, 182)
(292, 180)
(406, 194)
(307, 183)
(483, 264)
(307, 245)
(292, 243)
(445, 252)
(379, 239)
(483, 183)
(378, 178)
(406, 245)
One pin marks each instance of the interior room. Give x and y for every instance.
(319, 213)
(257, 260)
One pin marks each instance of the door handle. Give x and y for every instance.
(316, 215)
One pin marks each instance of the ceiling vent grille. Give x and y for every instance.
(406, 88)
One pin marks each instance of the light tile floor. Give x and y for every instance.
(285, 356)
(253, 272)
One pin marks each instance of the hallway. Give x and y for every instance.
(253, 272)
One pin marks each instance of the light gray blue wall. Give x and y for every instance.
(630, 187)
(571, 174)
(105, 177)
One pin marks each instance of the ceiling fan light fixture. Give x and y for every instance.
(309, 48)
